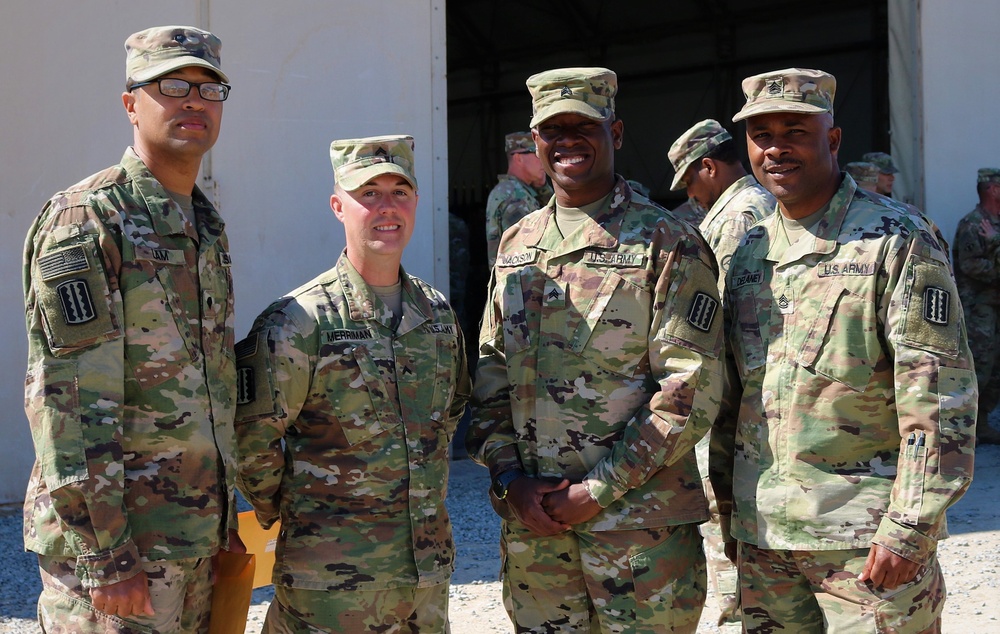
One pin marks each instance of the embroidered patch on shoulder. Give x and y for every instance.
(246, 389)
(77, 304)
(225, 259)
(702, 312)
(63, 262)
(937, 305)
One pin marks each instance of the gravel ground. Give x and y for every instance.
(970, 558)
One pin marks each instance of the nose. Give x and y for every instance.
(193, 101)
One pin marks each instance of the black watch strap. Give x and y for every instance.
(501, 483)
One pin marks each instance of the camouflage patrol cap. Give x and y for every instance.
(862, 171)
(882, 161)
(789, 90)
(357, 161)
(698, 141)
(589, 92)
(518, 142)
(162, 49)
(988, 175)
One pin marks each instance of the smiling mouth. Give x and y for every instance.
(571, 160)
(387, 228)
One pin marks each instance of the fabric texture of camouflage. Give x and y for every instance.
(882, 161)
(857, 414)
(357, 161)
(130, 388)
(698, 141)
(977, 274)
(781, 590)
(589, 92)
(862, 172)
(690, 212)
(737, 209)
(790, 90)
(518, 142)
(162, 49)
(365, 414)
(988, 175)
(508, 202)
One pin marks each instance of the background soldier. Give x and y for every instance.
(977, 272)
(130, 385)
(865, 174)
(598, 373)
(856, 395)
(707, 165)
(520, 191)
(886, 171)
(690, 212)
(351, 387)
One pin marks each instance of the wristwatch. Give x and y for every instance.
(501, 483)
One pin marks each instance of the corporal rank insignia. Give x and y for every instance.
(937, 304)
(246, 387)
(77, 305)
(702, 312)
(63, 262)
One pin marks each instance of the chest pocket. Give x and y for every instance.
(514, 316)
(615, 326)
(350, 383)
(843, 344)
(748, 350)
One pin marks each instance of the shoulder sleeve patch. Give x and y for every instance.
(695, 320)
(931, 321)
(74, 297)
(255, 395)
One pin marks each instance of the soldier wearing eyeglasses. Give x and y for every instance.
(130, 388)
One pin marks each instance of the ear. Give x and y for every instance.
(535, 137)
(128, 100)
(835, 136)
(710, 165)
(617, 133)
(337, 206)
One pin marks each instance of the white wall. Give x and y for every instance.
(304, 72)
(961, 92)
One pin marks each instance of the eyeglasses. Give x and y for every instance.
(179, 88)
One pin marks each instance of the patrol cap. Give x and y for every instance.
(589, 92)
(518, 142)
(698, 141)
(789, 90)
(988, 175)
(162, 49)
(357, 161)
(882, 161)
(862, 171)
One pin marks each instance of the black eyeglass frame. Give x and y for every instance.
(190, 85)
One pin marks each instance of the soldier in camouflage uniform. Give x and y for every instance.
(886, 171)
(707, 165)
(599, 370)
(977, 273)
(851, 428)
(865, 174)
(350, 390)
(130, 389)
(520, 191)
(690, 212)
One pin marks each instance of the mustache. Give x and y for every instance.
(786, 161)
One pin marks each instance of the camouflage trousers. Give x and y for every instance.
(398, 610)
(983, 324)
(801, 592)
(722, 579)
(636, 581)
(180, 590)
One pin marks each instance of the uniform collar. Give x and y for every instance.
(822, 239)
(742, 183)
(364, 305)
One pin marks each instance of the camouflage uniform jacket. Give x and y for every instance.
(977, 258)
(360, 485)
(508, 202)
(600, 360)
(130, 388)
(737, 209)
(857, 415)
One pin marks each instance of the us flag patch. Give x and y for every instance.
(63, 262)
(77, 305)
(246, 387)
(702, 312)
(937, 304)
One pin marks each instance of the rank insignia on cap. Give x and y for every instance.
(77, 305)
(702, 312)
(566, 92)
(775, 87)
(246, 388)
(937, 303)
